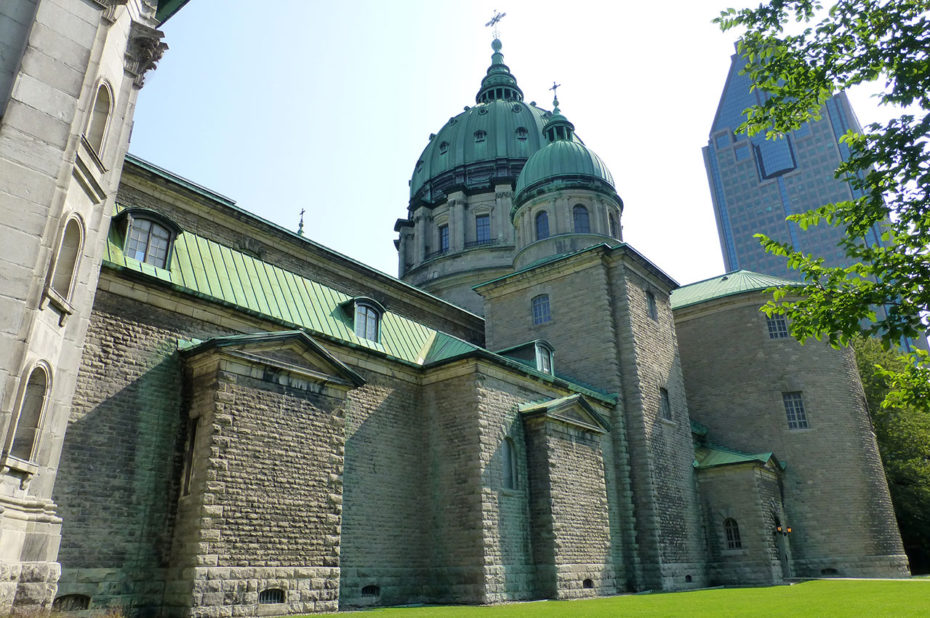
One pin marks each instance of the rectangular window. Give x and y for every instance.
(665, 406)
(483, 229)
(541, 309)
(794, 410)
(443, 238)
(778, 327)
(652, 307)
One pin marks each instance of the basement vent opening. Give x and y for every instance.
(371, 591)
(688, 579)
(829, 571)
(271, 595)
(71, 603)
(588, 583)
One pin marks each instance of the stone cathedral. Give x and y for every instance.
(206, 414)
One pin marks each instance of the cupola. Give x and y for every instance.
(499, 84)
(565, 198)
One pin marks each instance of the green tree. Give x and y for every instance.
(800, 54)
(903, 436)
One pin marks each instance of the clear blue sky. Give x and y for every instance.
(326, 106)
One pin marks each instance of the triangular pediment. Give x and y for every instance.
(572, 410)
(292, 351)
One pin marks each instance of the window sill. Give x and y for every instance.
(511, 492)
(58, 302)
(18, 468)
(668, 421)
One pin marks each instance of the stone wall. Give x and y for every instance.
(568, 512)
(118, 480)
(749, 495)
(835, 494)
(265, 492)
(455, 541)
(669, 531)
(604, 336)
(509, 569)
(386, 508)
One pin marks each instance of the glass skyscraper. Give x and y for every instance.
(756, 183)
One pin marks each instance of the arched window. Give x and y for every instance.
(509, 464)
(580, 220)
(148, 242)
(98, 119)
(366, 321)
(541, 313)
(612, 222)
(26, 423)
(731, 529)
(66, 262)
(542, 225)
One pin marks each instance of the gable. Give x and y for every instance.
(291, 351)
(572, 410)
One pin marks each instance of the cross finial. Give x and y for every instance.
(300, 228)
(493, 23)
(555, 96)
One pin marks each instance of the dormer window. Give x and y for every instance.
(148, 242)
(544, 354)
(443, 148)
(480, 136)
(522, 133)
(149, 236)
(366, 313)
(537, 354)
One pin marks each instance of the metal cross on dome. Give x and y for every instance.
(555, 96)
(497, 17)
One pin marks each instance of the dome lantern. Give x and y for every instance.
(499, 84)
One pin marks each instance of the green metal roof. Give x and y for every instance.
(712, 456)
(214, 271)
(730, 284)
(167, 8)
(208, 270)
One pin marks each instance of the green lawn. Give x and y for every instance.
(817, 598)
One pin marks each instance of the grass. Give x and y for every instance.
(816, 598)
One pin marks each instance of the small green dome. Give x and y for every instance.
(563, 164)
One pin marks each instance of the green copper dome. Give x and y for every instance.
(563, 164)
(484, 145)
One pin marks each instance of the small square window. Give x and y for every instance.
(794, 410)
(778, 327)
(541, 313)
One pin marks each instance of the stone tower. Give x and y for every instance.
(70, 72)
